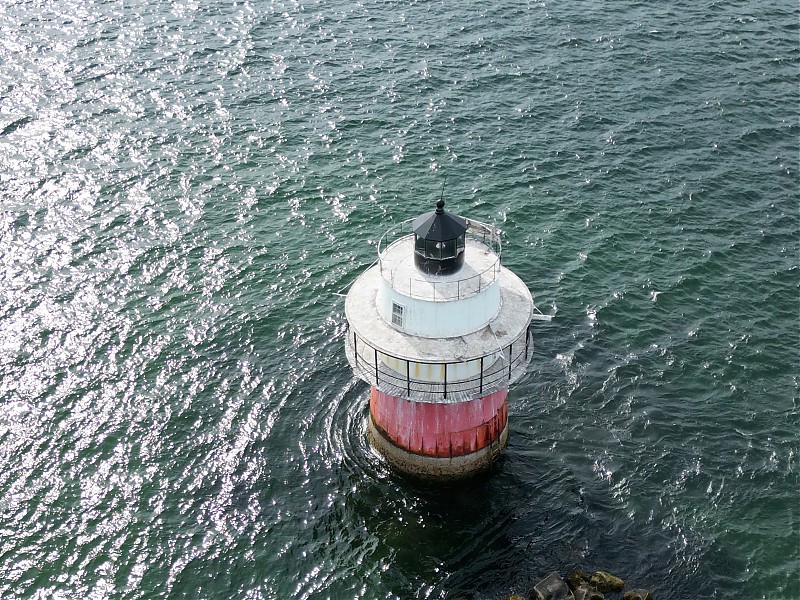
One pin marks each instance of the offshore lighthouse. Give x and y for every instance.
(439, 328)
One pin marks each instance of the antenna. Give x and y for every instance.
(441, 197)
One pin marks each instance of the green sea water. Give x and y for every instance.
(187, 187)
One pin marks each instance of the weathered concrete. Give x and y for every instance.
(506, 327)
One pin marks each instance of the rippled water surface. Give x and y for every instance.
(187, 187)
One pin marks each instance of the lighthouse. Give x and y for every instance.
(439, 329)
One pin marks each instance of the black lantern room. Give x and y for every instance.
(439, 239)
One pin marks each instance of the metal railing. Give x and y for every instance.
(428, 288)
(495, 371)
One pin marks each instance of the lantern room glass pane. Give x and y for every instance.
(449, 248)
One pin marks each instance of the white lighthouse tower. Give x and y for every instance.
(439, 328)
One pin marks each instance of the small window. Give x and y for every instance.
(397, 314)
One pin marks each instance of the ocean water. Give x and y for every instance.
(186, 190)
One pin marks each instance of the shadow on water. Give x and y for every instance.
(339, 523)
(502, 532)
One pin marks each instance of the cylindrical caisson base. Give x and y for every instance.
(441, 441)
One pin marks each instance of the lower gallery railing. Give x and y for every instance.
(431, 381)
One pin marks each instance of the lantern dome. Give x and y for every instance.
(439, 240)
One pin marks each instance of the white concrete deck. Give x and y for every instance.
(510, 323)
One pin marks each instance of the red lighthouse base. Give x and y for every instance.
(439, 440)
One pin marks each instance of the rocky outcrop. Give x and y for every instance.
(637, 594)
(551, 587)
(606, 582)
(576, 578)
(587, 592)
(580, 585)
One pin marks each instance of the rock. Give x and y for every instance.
(577, 578)
(551, 587)
(587, 592)
(637, 594)
(514, 597)
(606, 582)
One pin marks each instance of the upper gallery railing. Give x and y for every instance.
(428, 287)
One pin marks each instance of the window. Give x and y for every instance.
(397, 314)
(461, 242)
(449, 249)
(431, 251)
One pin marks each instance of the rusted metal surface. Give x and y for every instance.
(440, 430)
(435, 468)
